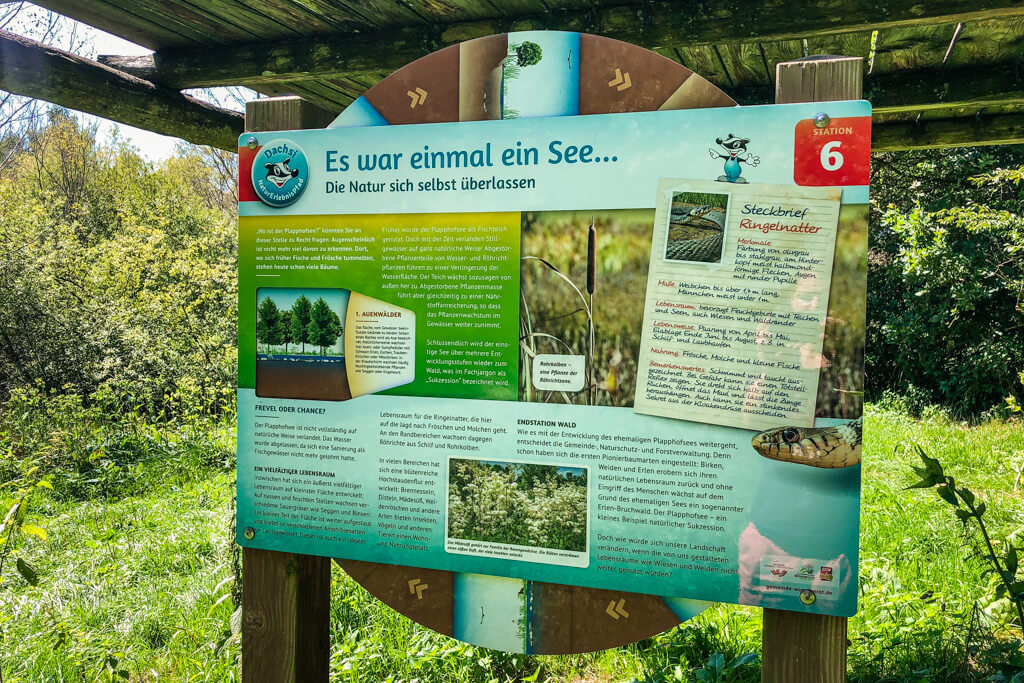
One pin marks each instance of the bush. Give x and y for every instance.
(944, 311)
(91, 446)
(945, 274)
(123, 277)
(913, 401)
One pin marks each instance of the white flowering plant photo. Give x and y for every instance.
(523, 504)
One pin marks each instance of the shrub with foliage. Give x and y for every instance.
(116, 274)
(945, 279)
(95, 447)
(953, 327)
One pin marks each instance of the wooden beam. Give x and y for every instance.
(974, 86)
(654, 25)
(46, 73)
(140, 66)
(999, 129)
(926, 89)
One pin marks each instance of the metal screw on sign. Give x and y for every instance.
(820, 121)
(249, 532)
(252, 142)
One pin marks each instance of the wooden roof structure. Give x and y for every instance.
(939, 73)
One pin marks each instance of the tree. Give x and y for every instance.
(530, 475)
(77, 314)
(324, 325)
(19, 115)
(300, 321)
(528, 53)
(313, 330)
(945, 273)
(284, 329)
(268, 319)
(210, 173)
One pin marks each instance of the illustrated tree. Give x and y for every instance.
(336, 325)
(324, 326)
(284, 329)
(520, 55)
(268, 319)
(528, 53)
(300, 321)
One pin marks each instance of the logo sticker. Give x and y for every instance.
(733, 150)
(280, 173)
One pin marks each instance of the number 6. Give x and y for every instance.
(831, 157)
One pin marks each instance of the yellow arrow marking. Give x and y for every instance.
(622, 82)
(614, 610)
(416, 587)
(419, 96)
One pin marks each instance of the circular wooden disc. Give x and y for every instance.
(471, 81)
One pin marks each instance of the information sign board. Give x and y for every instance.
(598, 351)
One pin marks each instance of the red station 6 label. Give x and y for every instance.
(837, 154)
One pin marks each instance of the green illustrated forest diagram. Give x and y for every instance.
(300, 343)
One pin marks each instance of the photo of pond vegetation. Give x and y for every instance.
(541, 506)
(555, 316)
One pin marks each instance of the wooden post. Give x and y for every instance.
(803, 648)
(797, 647)
(286, 598)
(286, 601)
(822, 78)
(285, 113)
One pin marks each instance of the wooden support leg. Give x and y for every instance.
(286, 598)
(803, 648)
(796, 647)
(286, 604)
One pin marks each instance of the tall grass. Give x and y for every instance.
(142, 583)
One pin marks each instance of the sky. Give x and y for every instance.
(152, 146)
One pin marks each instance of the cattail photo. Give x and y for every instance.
(583, 277)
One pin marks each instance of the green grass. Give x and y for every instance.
(921, 574)
(147, 580)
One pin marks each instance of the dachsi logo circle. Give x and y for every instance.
(280, 173)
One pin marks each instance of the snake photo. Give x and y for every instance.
(829, 447)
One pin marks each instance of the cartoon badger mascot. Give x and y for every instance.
(733, 150)
(279, 173)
